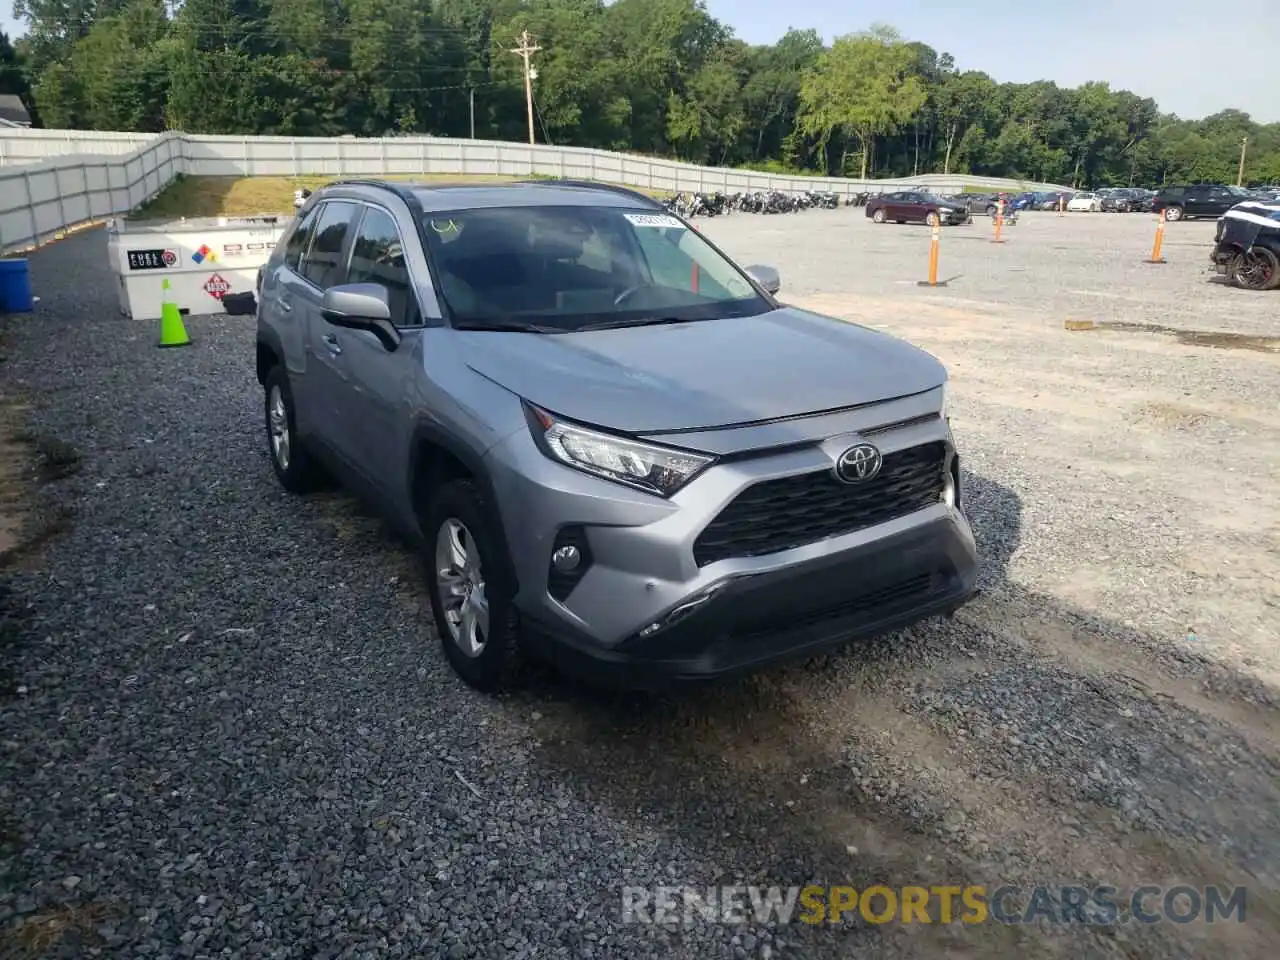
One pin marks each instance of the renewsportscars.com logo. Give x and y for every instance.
(815, 904)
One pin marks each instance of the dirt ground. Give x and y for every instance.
(1168, 437)
(15, 460)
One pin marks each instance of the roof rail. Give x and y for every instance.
(596, 185)
(398, 189)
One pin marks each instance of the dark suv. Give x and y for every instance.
(1197, 200)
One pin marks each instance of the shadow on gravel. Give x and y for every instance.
(896, 760)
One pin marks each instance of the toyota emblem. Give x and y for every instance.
(859, 463)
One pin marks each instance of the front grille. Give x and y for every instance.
(882, 600)
(788, 512)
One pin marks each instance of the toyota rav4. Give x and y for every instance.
(615, 446)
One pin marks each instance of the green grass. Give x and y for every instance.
(241, 196)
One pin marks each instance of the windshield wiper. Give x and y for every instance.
(506, 326)
(641, 322)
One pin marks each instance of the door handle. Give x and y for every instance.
(285, 305)
(331, 342)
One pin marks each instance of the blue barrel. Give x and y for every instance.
(15, 287)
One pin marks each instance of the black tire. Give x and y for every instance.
(1259, 269)
(878, 216)
(298, 473)
(932, 219)
(1173, 213)
(497, 665)
(992, 210)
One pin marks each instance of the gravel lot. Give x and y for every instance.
(225, 728)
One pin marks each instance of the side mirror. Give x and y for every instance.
(361, 306)
(767, 277)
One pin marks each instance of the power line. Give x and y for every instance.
(543, 124)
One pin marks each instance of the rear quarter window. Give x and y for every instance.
(299, 239)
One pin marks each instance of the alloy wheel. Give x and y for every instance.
(278, 416)
(1254, 271)
(460, 582)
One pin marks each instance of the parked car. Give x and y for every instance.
(1247, 246)
(1021, 201)
(615, 446)
(1050, 200)
(976, 202)
(1126, 200)
(916, 207)
(1085, 203)
(1197, 200)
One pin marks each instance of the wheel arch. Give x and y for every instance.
(270, 352)
(437, 457)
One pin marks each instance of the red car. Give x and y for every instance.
(916, 207)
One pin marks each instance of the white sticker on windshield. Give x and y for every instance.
(659, 220)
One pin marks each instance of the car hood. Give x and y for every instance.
(710, 373)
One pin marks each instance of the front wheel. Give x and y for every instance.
(471, 591)
(1172, 213)
(933, 219)
(1259, 269)
(878, 217)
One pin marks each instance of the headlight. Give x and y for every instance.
(645, 466)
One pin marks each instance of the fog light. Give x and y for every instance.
(566, 558)
(568, 563)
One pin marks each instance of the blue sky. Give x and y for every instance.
(1192, 57)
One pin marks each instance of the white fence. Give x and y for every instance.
(90, 175)
(32, 146)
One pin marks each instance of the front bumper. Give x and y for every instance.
(792, 612)
(720, 612)
(1221, 255)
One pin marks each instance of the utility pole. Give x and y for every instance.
(473, 112)
(526, 49)
(1244, 144)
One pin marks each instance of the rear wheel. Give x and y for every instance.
(878, 217)
(1172, 213)
(1259, 269)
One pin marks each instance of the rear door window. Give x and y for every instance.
(323, 264)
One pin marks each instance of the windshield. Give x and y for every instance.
(931, 198)
(560, 269)
(1238, 191)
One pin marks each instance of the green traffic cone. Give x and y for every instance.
(173, 332)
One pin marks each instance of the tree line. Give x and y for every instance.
(660, 77)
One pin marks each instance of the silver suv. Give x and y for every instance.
(616, 447)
